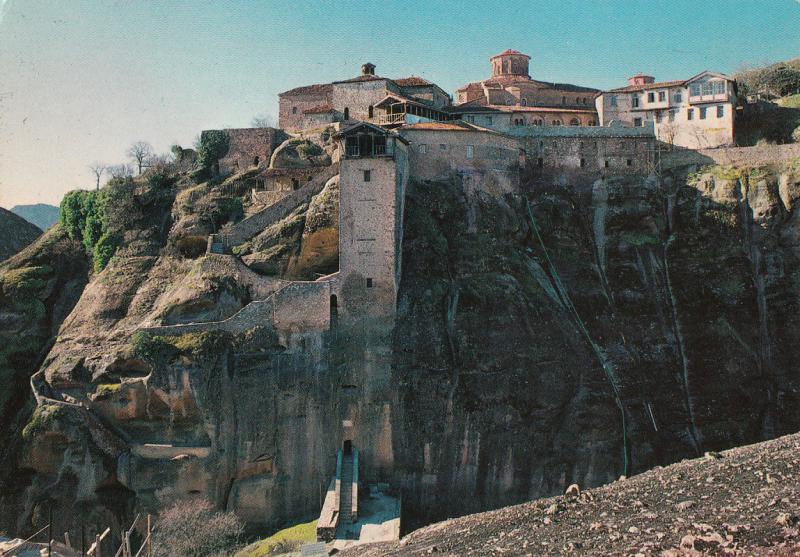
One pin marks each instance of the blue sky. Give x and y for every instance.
(80, 80)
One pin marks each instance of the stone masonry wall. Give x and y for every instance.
(249, 147)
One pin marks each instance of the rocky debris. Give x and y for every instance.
(742, 515)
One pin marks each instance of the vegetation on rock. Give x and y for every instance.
(194, 528)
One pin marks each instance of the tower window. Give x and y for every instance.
(540, 162)
(605, 164)
(629, 162)
(369, 283)
(294, 110)
(367, 175)
(470, 151)
(423, 148)
(583, 163)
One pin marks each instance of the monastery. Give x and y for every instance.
(376, 135)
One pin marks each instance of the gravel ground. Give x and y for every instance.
(743, 502)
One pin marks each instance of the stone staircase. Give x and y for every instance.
(346, 491)
(243, 230)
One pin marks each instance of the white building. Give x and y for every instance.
(696, 113)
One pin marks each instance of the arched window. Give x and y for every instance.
(592, 123)
(346, 113)
(255, 161)
(574, 122)
(584, 100)
(524, 102)
(577, 100)
(556, 122)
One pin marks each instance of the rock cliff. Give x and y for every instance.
(576, 333)
(15, 233)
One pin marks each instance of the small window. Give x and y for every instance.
(442, 147)
(294, 110)
(605, 164)
(489, 120)
(662, 96)
(563, 100)
(541, 144)
(720, 111)
(583, 163)
(690, 114)
(540, 162)
(658, 116)
(584, 100)
(635, 101)
(367, 175)
(524, 102)
(577, 100)
(703, 111)
(678, 97)
(637, 122)
(651, 97)
(574, 122)
(694, 90)
(423, 148)
(470, 151)
(295, 183)
(556, 122)
(471, 119)
(613, 100)
(369, 283)
(671, 115)
(629, 162)
(592, 123)
(370, 111)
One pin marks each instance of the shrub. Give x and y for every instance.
(213, 146)
(104, 250)
(43, 419)
(160, 180)
(193, 528)
(308, 149)
(85, 217)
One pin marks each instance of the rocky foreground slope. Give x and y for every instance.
(744, 501)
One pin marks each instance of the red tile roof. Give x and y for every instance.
(439, 126)
(320, 88)
(412, 81)
(659, 85)
(509, 52)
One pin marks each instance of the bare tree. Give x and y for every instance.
(140, 152)
(98, 168)
(120, 171)
(262, 121)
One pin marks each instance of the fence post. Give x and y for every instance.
(83, 540)
(50, 531)
(97, 545)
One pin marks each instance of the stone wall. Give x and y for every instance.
(249, 147)
(369, 218)
(493, 165)
(292, 105)
(252, 225)
(739, 156)
(358, 96)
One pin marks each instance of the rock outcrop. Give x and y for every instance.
(571, 335)
(16, 233)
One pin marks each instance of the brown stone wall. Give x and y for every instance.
(588, 155)
(249, 147)
(494, 166)
(291, 108)
(358, 96)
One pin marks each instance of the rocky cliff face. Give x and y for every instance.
(574, 334)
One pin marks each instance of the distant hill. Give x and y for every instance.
(42, 215)
(15, 233)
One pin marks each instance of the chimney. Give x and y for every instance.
(368, 69)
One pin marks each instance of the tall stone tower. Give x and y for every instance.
(373, 173)
(510, 63)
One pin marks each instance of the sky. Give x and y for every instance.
(81, 80)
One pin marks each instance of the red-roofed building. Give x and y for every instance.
(697, 112)
(518, 100)
(353, 99)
